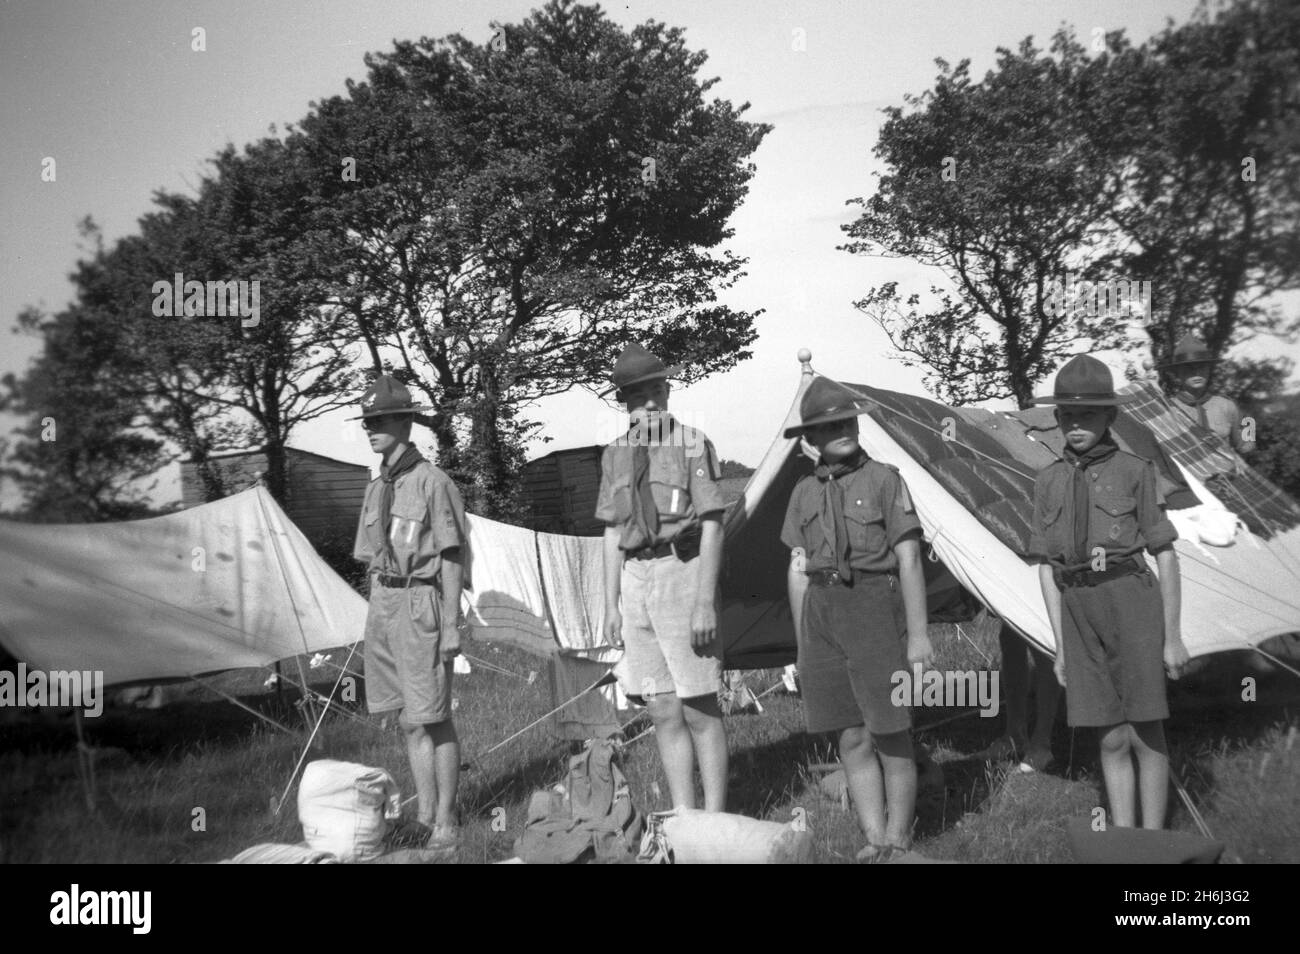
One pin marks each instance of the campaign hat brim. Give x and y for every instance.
(1090, 400)
(1176, 362)
(652, 376)
(392, 411)
(838, 414)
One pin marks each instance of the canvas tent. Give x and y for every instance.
(227, 585)
(971, 476)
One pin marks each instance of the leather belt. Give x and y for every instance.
(833, 578)
(400, 582)
(651, 553)
(1091, 577)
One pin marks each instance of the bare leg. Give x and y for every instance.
(1116, 743)
(704, 720)
(1153, 771)
(675, 749)
(420, 751)
(866, 781)
(446, 763)
(899, 764)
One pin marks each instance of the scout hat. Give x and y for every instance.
(387, 395)
(1190, 350)
(1084, 380)
(823, 402)
(635, 365)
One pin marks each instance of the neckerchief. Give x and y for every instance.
(645, 513)
(832, 508)
(388, 475)
(1197, 402)
(1103, 450)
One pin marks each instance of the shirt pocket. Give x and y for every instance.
(813, 538)
(407, 531)
(866, 524)
(1114, 520)
(670, 486)
(373, 533)
(620, 498)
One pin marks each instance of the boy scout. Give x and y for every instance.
(1190, 370)
(1094, 512)
(662, 509)
(857, 594)
(411, 533)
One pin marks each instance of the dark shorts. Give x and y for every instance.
(404, 667)
(854, 640)
(1114, 651)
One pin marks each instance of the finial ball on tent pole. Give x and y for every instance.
(805, 359)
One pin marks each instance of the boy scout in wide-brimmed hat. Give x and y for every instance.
(411, 536)
(1117, 632)
(857, 593)
(1190, 369)
(662, 509)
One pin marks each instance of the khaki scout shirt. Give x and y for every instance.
(878, 513)
(684, 476)
(428, 517)
(1221, 416)
(1125, 515)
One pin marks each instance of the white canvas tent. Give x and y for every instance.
(226, 585)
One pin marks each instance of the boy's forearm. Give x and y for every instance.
(613, 557)
(451, 578)
(911, 580)
(1171, 590)
(710, 559)
(1052, 597)
(796, 584)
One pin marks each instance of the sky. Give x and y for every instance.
(116, 95)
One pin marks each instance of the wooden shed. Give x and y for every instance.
(561, 490)
(324, 495)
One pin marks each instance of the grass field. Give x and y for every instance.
(154, 770)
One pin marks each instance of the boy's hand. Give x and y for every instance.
(1176, 656)
(704, 628)
(919, 650)
(1058, 667)
(614, 628)
(449, 639)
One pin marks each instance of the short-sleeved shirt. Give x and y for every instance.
(1125, 514)
(1221, 416)
(428, 517)
(878, 513)
(684, 475)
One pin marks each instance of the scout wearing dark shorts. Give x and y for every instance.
(857, 594)
(1116, 627)
(854, 633)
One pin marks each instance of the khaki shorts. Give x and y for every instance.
(404, 668)
(657, 599)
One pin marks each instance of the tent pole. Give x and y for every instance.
(247, 708)
(85, 761)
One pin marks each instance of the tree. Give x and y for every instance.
(996, 185)
(1174, 163)
(1202, 126)
(518, 211)
(78, 458)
